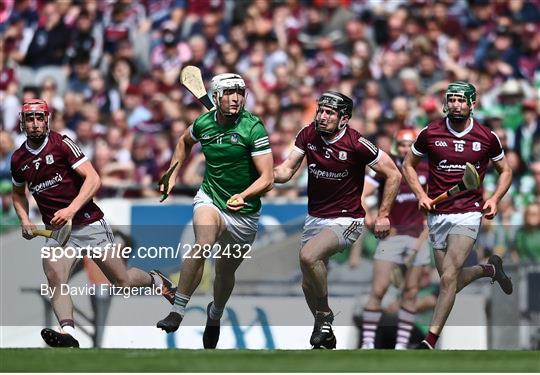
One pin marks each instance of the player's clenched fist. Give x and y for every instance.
(490, 208)
(382, 227)
(62, 216)
(27, 230)
(235, 203)
(424, 203)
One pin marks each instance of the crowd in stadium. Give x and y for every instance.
(110, 69)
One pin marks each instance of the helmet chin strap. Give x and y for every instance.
(327, 133)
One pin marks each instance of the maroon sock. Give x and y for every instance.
(431, 339)
(488, 270)
(67, 322)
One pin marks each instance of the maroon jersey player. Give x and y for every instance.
(337, 157)
(63, 183)
(454, 224)
(405, 247)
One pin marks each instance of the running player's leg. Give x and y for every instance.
(311, 299)
(208, 226)
(313, 257)
(224, 279)
(313, 262)
(382, 270)
(381, 281)
(458, 249)
(223, 286)
(114, 267)
(469, 274)
(407, 311)
(57, 273)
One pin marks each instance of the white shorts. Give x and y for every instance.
(96, 235)
(396, 248)
(347, 229)
(441, 225)
(240, 228)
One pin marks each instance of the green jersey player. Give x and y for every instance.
(226, 208)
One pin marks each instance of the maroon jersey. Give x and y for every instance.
(51, 177)
(336, 171)
(404, 216)
(447, 152)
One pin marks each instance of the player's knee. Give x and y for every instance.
(56, 276)
(307, 259)
(378, 292)
(448, 280)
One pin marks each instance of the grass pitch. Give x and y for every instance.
(175, 360)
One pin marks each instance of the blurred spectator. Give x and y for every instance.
(84, 40)
(7, 147)
(528, 132)
(80, 75)
(50, 41)
(135, 110)
(145, 165)
(106, 99)
(49, 93)
(122, 73)
(528, 237)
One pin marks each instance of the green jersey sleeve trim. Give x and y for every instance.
(193, 135)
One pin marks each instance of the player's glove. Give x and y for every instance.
(164, 181)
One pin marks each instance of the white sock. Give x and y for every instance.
(180, 302)
(369, 328)
(404, 328)
(69, 330)
(215, 313)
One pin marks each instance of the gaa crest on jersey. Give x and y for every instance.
(342, 155)
(49, 159)
(234, 138)
(476, 146)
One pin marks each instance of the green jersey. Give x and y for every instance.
(228, 151)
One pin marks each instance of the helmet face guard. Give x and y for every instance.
(224, 84)
(463, 89)
(342, 104)
(38, 109)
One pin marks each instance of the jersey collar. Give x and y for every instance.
(463, 133)
(336, 138)
(38, 150)
(224, 126)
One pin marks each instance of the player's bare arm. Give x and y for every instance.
(89, 188)
(503, 184)
(20, 202)
(369, 188)
(287, 169)
(181, 151)
(386, 167)
(410, 175)
(265, 182)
